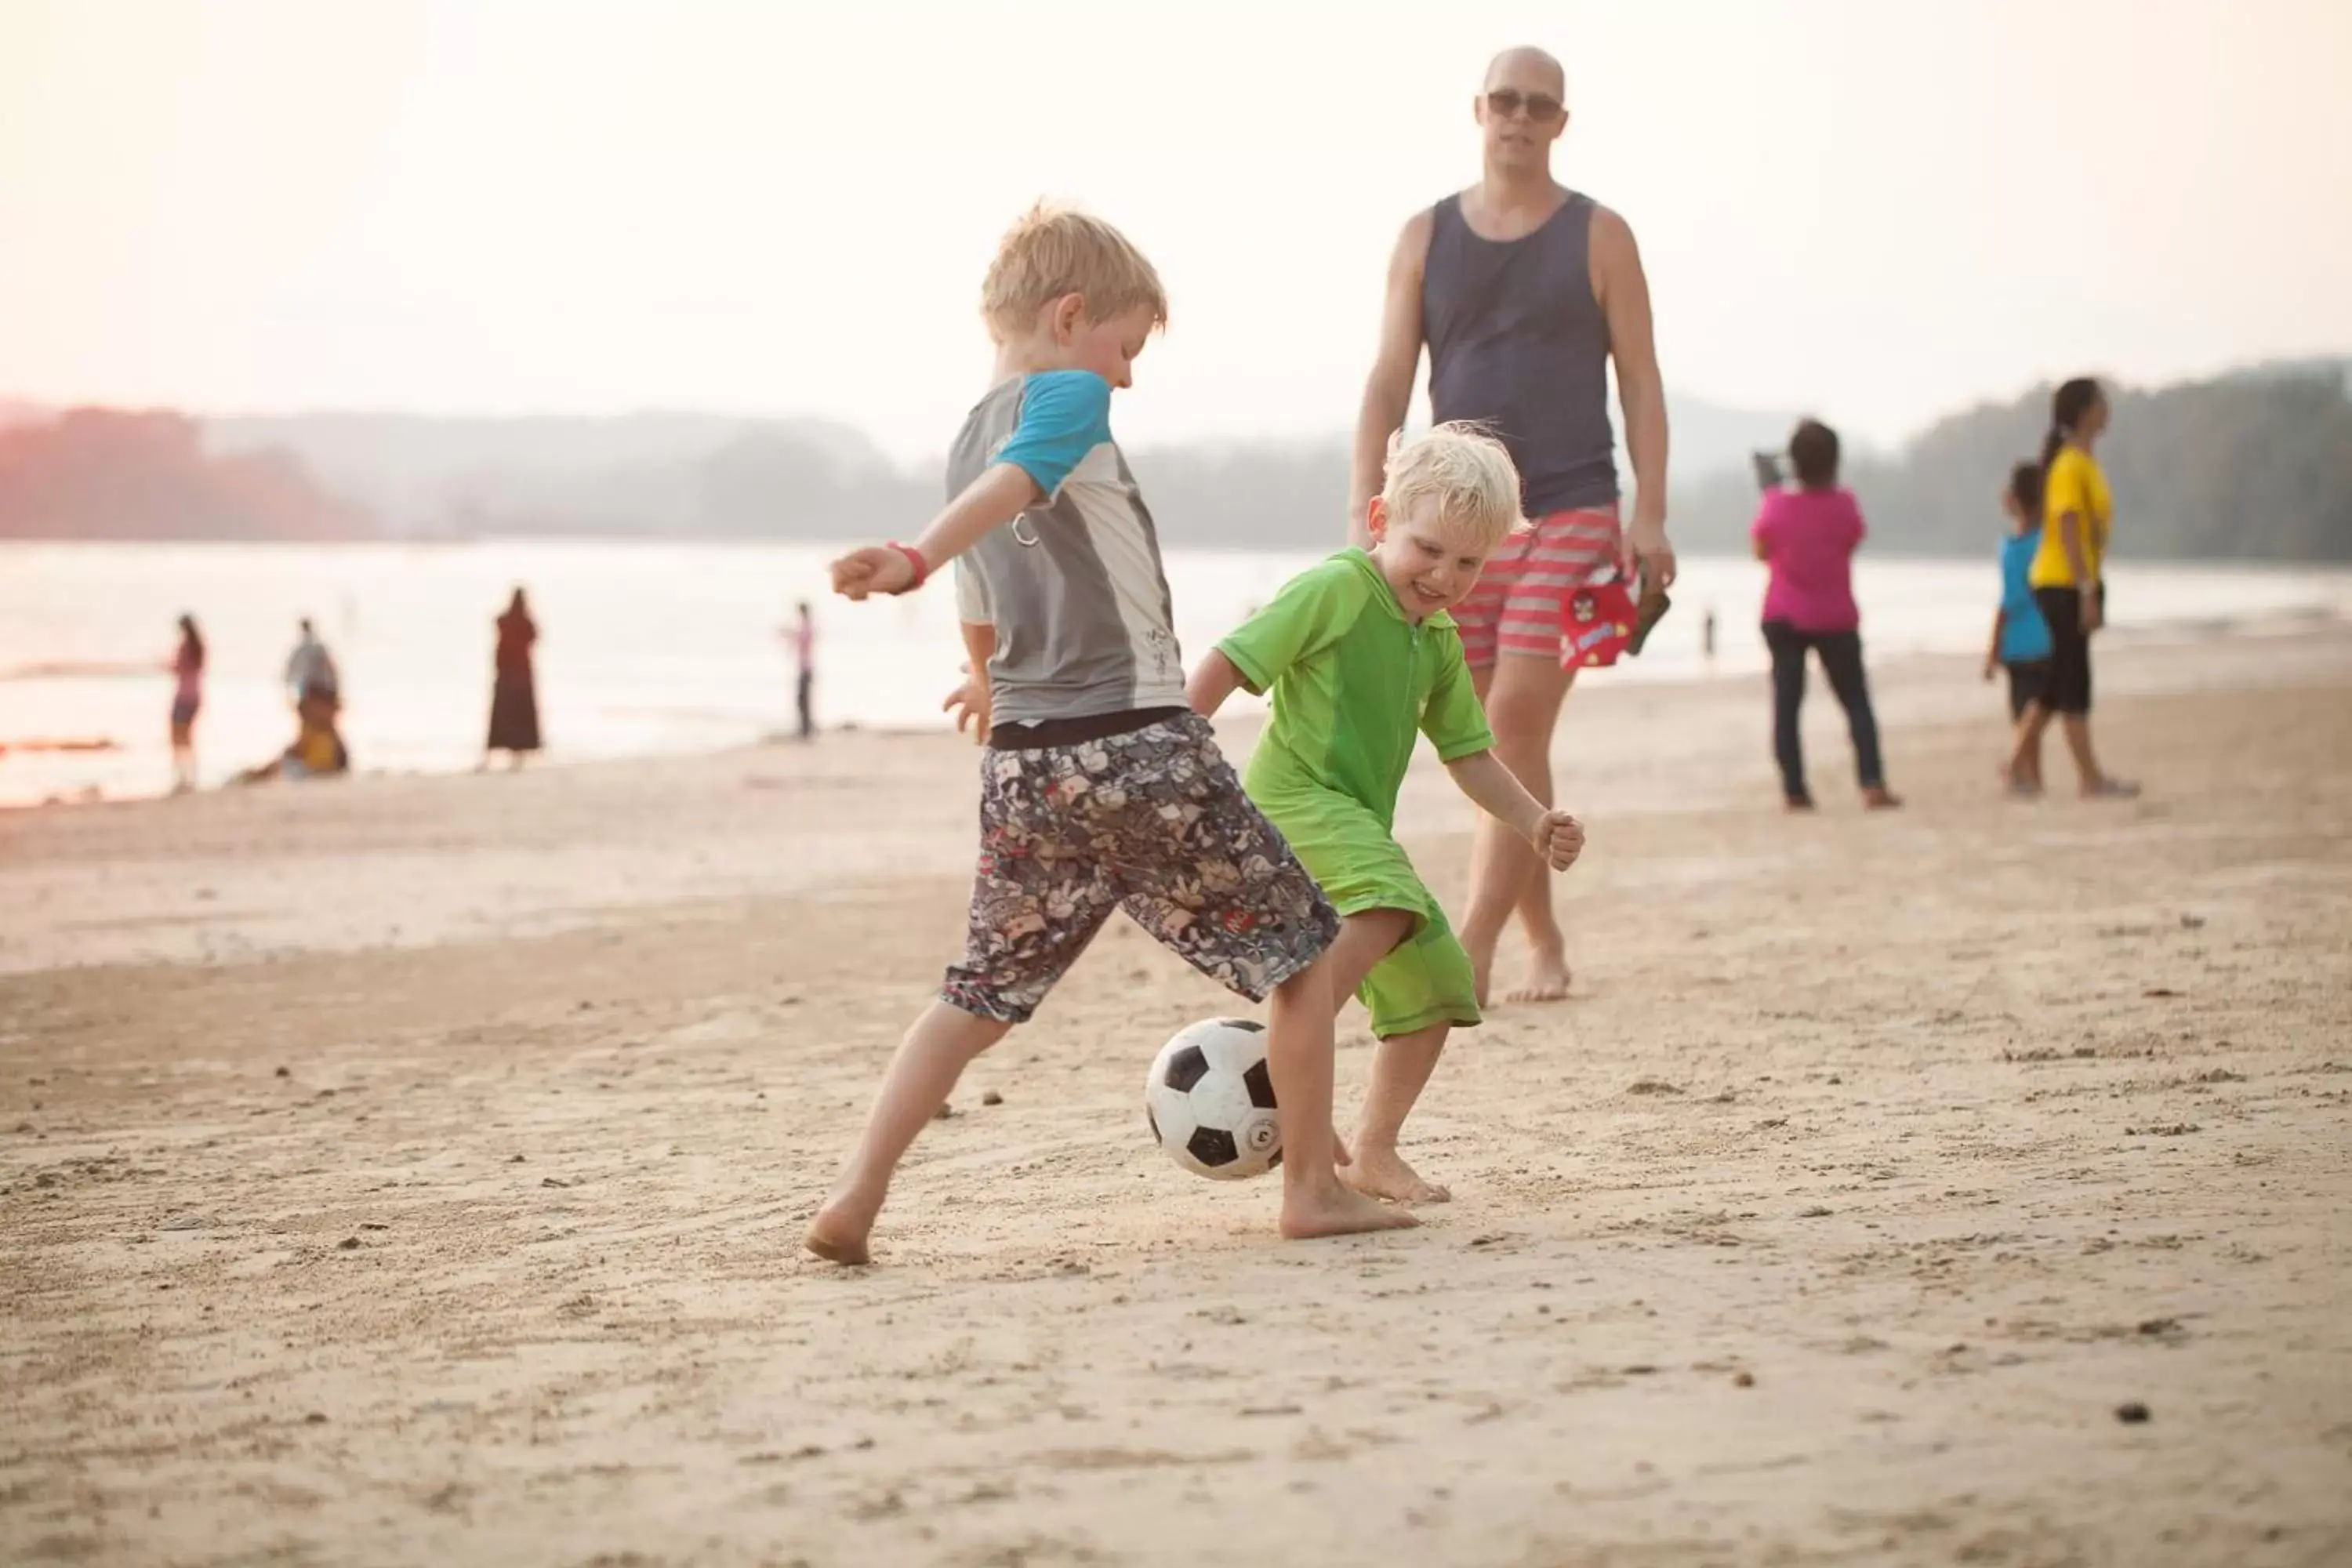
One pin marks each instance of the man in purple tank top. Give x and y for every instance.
(1524, 291)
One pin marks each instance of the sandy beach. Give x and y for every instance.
(411, 1169)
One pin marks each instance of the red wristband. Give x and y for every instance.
(915, 559)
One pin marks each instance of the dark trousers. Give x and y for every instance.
(808, 711)
(1841, 655)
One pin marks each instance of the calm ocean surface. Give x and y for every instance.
(649, 647)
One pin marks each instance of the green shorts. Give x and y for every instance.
(1426, 979)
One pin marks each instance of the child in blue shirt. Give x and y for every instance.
(2020, 638)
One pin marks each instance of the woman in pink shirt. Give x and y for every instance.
(1807, 537)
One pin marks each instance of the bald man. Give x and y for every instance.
(1523, 292)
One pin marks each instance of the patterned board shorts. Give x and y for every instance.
(1152, 822)
(1517, 605)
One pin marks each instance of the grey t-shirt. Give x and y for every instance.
(1073, 585)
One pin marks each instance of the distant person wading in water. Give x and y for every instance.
(2077, 512)
(1524, 292)
(187, 699)
(514, 691)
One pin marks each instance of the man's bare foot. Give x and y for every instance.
(837, 1239)
(1880, 798)
(1380, 1173)
(1339, 1211)
(1548, 980)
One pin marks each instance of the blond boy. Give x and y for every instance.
(1359, 656)
(1100, 790)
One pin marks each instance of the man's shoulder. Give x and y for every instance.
(1610, 235)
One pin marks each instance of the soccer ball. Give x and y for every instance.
(1210, 1100)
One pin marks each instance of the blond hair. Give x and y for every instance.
(1052, 251)
(1473, 480)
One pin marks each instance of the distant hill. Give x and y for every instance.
(636, 474)
(2256, 464)
(103, 473)
(706, 476)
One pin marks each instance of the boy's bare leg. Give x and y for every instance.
(1299, 1058)
(1365, 938)
(1401, 1068)
(918, 1081)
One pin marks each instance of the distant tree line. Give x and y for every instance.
(2254, 467)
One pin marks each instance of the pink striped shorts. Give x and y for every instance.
(1516, 607)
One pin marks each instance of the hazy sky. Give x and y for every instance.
(1872, 209)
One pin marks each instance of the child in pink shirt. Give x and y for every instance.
(1807, 536)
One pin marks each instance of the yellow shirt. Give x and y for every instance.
(2073, 484)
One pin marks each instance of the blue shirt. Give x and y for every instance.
(2024, 635)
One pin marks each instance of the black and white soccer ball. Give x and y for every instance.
(1210, 1100)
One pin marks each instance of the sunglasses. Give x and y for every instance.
(1508, 100)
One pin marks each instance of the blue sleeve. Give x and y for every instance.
(1064, 415)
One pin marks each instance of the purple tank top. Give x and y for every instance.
(1517, 343)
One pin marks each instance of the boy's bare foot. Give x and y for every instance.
(1382, 1174)
(836, 1238)
(1339, 1211)
(1881, 798)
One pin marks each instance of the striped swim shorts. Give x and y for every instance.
(1517, 608)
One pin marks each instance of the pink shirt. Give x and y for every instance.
(1809, 539)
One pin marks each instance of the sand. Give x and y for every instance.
(412, 1170)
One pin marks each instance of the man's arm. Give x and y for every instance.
(1992, 648)
(1558, 836)
(1214, 678)
(1625, 294)
(1388, 390)
(988, 503)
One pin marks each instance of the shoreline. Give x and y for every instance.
(2170, 632)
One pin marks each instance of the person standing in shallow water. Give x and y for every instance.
(187, 699)
(1806, 537)
(803, 633)
(1526, 293)
(514, 692)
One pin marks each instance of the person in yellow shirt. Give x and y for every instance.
(2077, 512)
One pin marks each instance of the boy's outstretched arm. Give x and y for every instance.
(1558, 836)
(1214, 678)
(988, 503)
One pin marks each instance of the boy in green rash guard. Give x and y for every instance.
(1359, 657)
